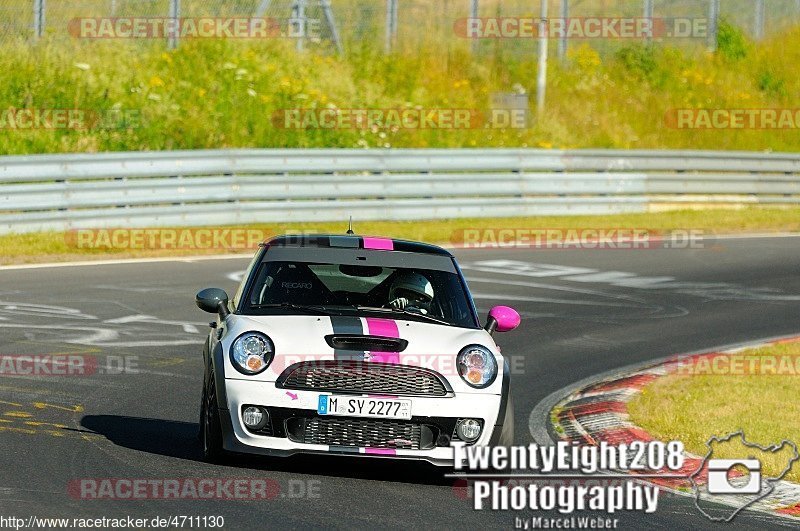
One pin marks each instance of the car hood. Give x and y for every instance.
(303, 338)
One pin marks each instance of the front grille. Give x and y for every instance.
(362, 433)
(363, 377)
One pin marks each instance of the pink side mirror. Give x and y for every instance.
(502, 319)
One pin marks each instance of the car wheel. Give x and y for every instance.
(507, 434)
(210, 425)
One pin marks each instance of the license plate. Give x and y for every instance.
(356, 406)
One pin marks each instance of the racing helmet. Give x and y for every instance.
(411, 286)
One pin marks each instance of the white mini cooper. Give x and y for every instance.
(353, 345)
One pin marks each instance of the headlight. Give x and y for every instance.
(252, 352)
(477, 366)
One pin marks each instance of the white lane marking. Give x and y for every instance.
(102, 337)
(134, 289)
(569, 289)
(652, 311)
(150, 343)
(185, 259)
(515, 267)
(25, 316)
(189, 328)
(203, 258)
(42, 310)
(754, 236)
(130, 319)
(499, 296)
(711, 290)
(236, 276)
(95, 336)
(619, 278)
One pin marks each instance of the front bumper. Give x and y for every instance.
(285, 404)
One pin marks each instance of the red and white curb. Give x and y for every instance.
(599, 412)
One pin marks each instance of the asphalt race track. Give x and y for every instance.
(584, 312)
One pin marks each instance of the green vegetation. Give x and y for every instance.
(56, 246)
(731, 42)
(224, 93)
(691, 408)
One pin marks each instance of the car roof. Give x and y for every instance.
(351, 241)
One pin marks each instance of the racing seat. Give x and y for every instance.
(294, 284)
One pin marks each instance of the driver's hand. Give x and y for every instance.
(399, 303)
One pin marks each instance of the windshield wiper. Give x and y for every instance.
(404, 312)
(318, 309)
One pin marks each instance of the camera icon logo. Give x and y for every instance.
(719, 481)
(723, 488)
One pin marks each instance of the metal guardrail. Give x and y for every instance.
(228, 187)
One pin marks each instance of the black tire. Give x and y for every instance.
(210, 425)
(507, 433)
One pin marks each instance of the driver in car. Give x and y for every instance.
(411, 291)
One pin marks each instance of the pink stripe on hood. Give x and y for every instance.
(384, 328)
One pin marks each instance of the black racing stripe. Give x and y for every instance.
(346, 324)
(351, 242)
(343, 324)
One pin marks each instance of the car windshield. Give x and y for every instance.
(283, 287)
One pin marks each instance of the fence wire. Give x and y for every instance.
(369, 24)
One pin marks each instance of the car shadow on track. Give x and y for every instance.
(179, 440)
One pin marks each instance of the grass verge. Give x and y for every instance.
(221, 93)
(691, 408)
(58, 246)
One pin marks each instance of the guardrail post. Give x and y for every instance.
(648, 15)
(473, 14)
(39, 9)
(562, 40)
(300, 22)
(174, 16)
(541, 78)
(262, 8)
(391, 25)
(328, 12)
(758, 22)
(713, 24)
(395, 9)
